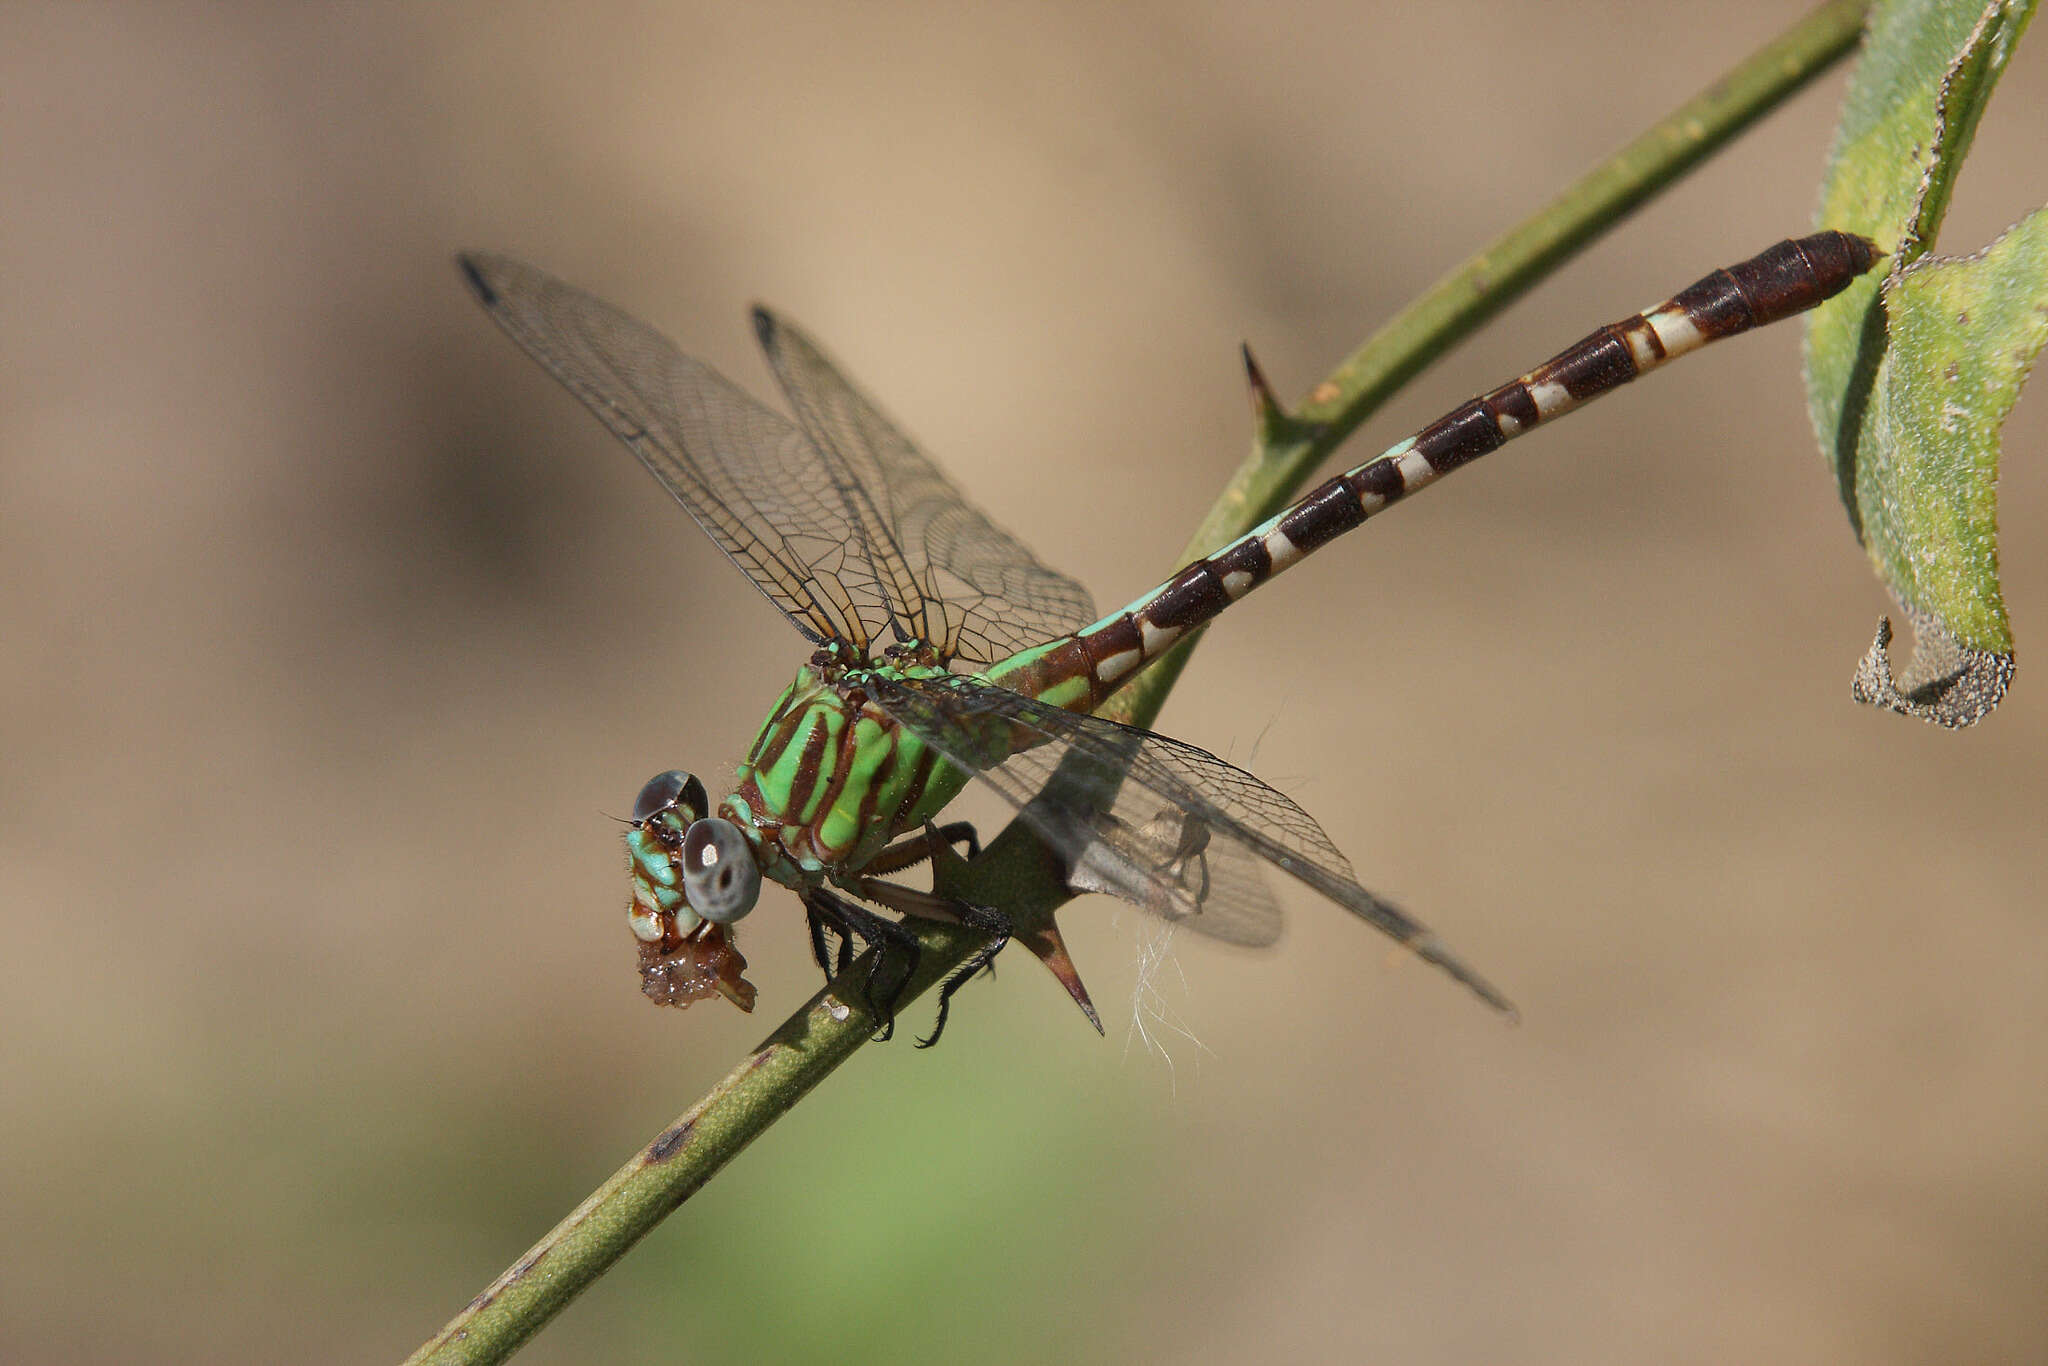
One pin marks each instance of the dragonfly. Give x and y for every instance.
(946, 653)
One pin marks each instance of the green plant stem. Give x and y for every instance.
(1286, 449)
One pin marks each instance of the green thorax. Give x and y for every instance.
(831, 779)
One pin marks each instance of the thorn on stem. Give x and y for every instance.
(1266, 409)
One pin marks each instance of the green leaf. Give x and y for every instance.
(1909, 380)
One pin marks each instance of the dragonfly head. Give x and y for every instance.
(694, 874)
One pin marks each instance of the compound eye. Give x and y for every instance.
(668, 792)
(719, 873)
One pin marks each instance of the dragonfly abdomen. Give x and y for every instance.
(1080, 671)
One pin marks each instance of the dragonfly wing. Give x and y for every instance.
(960, 581)
(1174, 867)
(750, 477)
(1152, 820)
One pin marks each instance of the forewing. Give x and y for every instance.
(1139, 815)
(955, 577)
(750, 477)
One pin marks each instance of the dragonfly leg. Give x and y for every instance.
(997, 926)
(929, 906)
(820, 949)
(831, 943)
(915, 849)
(889, 940)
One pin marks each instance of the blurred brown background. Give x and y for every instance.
(334, 633)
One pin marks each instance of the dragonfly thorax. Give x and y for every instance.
(832, 778)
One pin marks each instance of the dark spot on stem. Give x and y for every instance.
(670, 1142)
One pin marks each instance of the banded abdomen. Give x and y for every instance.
(1081, 670)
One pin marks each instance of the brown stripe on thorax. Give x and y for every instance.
(768, 754)
(920, 777)
(776, 736)
(804, 782)
(884, 771)
(842, 767)
(783, 705)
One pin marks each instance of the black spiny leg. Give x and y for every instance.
(931, 906)
(996, 925)
(834, 954)
(885, 937)
(819, 949)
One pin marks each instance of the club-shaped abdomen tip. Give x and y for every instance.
(1863, 252)
(473, 271)
(1845, 255)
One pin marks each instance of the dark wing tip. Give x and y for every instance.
(765, 326)
(472, 267)
(1431, 950)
